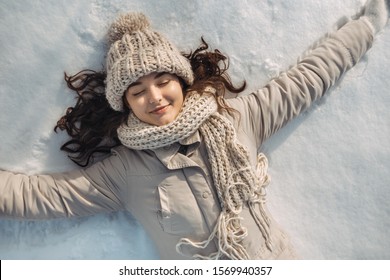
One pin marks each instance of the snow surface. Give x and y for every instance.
(329, 167)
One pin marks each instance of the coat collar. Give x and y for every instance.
(170, 157)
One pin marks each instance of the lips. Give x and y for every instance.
(160, 109)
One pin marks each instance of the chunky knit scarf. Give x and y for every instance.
(235, 180)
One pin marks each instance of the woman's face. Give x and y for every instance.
(156, 98)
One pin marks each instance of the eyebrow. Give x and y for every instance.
(155, 78)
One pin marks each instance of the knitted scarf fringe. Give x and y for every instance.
(236, 183)
(228, 230)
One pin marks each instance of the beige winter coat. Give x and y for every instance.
(172, 194)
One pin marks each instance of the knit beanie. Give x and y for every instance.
(135, 51)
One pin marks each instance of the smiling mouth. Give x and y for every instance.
(160, 109)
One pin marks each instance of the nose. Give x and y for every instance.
(154, 95)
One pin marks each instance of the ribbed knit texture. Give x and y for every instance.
(235, 180)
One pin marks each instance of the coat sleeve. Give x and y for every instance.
(267, 110)
(98, 188)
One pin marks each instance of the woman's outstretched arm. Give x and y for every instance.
(96, 189)
(292, 92)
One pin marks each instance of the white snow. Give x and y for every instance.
(329, 167)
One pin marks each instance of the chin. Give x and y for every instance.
(160, 122)
(164, 122)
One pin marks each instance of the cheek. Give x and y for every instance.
(180, 101)
(176, 94)
(137, 106)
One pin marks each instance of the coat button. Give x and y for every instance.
(205, 195)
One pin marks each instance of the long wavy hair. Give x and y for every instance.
(92, 124)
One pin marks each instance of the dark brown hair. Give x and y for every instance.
(92, 124)
(210, 69)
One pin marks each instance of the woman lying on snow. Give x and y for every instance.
(184, 160)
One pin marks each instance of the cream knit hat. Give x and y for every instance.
(136, 51)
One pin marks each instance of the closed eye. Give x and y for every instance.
(138, 93)
(163, 83)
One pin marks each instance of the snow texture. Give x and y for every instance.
(329, 167)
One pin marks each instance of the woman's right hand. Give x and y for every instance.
(377, 13)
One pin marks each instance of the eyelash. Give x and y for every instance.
(163, 83)
(160, 84)
(138, 93)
